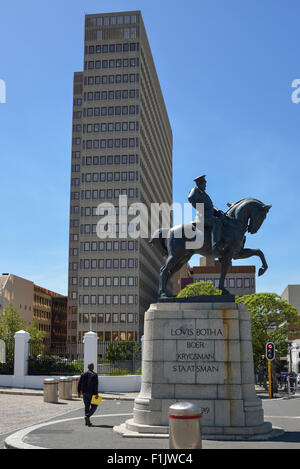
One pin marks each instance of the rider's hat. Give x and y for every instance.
(200, 177)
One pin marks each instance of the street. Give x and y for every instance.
(69, 430)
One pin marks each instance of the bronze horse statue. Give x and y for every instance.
(245, 215)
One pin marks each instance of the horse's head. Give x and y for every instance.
(257, 216)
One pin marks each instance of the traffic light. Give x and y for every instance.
(270, 351)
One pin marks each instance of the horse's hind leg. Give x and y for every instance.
(172, 265)
(165, 274)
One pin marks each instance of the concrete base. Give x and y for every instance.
(200, 353)
(264, 433)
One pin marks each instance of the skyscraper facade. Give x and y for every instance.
(121, 146)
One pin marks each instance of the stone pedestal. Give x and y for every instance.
(200, 353)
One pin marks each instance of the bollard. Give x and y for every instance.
(184, 426)
(65, 387)
(75, 381)
(50, 389)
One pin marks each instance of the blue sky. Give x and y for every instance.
(225, 69)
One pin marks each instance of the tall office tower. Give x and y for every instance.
(121, 145)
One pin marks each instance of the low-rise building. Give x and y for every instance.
(240, 280)
(36, 303)
(291, 294)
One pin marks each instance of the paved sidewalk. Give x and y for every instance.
(22, 408)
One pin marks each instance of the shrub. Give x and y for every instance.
(53, 365)
(8, 367)
(119, 372)
(197, 289)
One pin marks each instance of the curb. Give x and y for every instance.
(40, 393)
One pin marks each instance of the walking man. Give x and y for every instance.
(88, 387)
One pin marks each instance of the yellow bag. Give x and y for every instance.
(96, 400)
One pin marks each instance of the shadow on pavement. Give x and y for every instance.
(289, 437)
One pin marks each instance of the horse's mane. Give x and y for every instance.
(240, 202)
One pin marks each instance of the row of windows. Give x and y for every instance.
(111, 20)
(111, 48)
(117, 33)
(109, 336)
(231, 282)
(101, 194)
(94, 211)
(42, 300)
(100, 246)
(113, 79)
(107, 299)
(112, 63)
(104, 263)
(103, 96)
(107, 127)
(103, 160)
(109, 177)
(108, 318)
(87, 282)
(107, 143)
(41, 314)
(110, 159)
(110, 110)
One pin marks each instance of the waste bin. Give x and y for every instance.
(65, 387)
(50, 389)
(184, 426)
(75, 381)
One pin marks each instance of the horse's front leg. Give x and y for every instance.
(245, 253)
(225, 264)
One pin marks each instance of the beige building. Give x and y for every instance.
(291, 294)
(240, 280)
(121, 145)
(19, 292)
(35, 303)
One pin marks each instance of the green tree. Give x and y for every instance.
(199, 288)
(36, 337)
(123, 350)
(271, 320)
(11, 322)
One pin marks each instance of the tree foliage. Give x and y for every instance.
(271, 318)
(197, 289)
(11, 322)
(123, 350)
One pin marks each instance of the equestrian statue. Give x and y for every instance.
(224, 235)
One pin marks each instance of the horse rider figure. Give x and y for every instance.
(213, 217)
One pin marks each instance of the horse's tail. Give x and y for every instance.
(158, 240)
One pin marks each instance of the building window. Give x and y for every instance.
(247, 282)
(100, 318)
(115, 317)
(239, 283)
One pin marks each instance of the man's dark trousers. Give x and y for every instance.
(89, 408)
